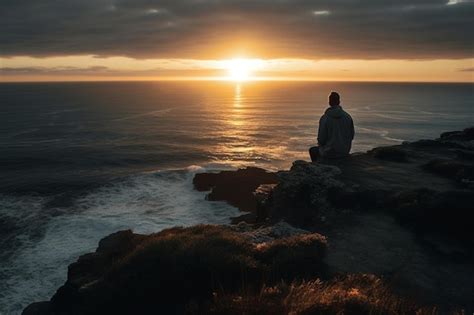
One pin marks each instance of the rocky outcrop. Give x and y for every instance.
(178, 270)
(302, 196)
(403, 213)
(392, 211)
(418, 183)
(235, 187)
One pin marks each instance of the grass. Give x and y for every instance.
(179, 269)
(209, 269)
(350, 295)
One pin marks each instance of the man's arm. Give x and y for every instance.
(352, 129)
(322, 131)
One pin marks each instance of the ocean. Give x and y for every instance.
(79, 161)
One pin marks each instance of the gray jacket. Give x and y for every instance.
(336, 131)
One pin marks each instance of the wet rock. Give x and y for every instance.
(235, 187)
(38, 308)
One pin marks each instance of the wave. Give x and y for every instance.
(48, 239)
(382, 133)
(158, 113)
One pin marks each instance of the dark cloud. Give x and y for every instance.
(53, 70)
(105, 71)
(371, 29)
(467, 70)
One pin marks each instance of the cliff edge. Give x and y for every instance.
(386, 232)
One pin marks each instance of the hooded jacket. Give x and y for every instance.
(335, 134)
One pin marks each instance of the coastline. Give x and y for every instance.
(400, 213)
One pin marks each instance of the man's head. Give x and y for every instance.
(334, 99)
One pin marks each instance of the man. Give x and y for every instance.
(335, 134)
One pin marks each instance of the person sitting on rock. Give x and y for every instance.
(335, 134)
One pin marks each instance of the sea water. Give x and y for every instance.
(79, 161)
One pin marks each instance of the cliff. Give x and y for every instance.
(386, 232)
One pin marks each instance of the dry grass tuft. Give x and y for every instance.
(351, 295)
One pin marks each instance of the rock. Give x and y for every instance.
(262, 195)
(250, 218)
(450, 168)
(426, 143)
(88, 270)
(448, 214)
(260, 215)
(465, 154)
(235, 187)
(409, 221)
(301, 197)
(394, 154)
(461, 139)
(465, 135)
(117, 243)
(38, 308)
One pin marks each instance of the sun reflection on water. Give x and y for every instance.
(237, 117)
(237, 95)
(245, 122)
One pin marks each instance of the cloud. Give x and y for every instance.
(53, 70)
(321, 29)
(467, 70)
(107, 72)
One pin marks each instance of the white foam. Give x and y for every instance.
(145, 203)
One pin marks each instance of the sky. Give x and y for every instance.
(348, 40)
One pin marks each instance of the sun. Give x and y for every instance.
(241, 69)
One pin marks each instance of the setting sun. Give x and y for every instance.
(241, 69)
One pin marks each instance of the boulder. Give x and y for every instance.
(301, 197)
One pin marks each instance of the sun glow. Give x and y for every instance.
(240, 69)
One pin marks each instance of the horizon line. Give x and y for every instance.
(225, 79)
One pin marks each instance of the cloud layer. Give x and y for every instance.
(317, 29)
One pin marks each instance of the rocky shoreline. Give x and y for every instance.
(388, 232)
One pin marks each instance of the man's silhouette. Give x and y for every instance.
(335, 134)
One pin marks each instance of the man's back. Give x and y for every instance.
(336, 131)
